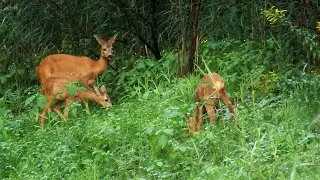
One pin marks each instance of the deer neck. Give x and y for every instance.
(101, 64)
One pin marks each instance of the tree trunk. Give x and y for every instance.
(195, 11)
(154, 31)
(181, 58)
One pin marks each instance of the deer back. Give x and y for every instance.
(80, 65)
(57, 85)
(209, 87)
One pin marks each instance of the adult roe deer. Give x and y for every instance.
(209, 90)
(55, 88)
(76, 65)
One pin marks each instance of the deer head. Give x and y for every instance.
(102, 92)
(106, 46)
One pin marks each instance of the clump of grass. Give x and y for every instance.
(144, 135)
(147, 137)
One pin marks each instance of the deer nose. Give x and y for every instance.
(110, 55)
(108, 102)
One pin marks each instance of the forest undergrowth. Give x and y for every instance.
(144, 135)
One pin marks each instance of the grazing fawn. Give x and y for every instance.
(210, 89)
(55, 88)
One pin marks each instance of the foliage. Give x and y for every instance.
(139, 76)
(59, 27)
(274, 14)
(147, 137)
(263, 53)
(315, 125)
(301, 37)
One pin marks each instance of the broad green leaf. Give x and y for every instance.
(168, 131)
(160, 164)
(3, 110)
(149, 130)
(5, 134)
(162, 141)
(72, 89)
(83, 89)
(210, 136)
(41, 101)
(29, 100)
(182, 148)
(205, 52)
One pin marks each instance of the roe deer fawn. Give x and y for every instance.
(209, 90)
(76, 65)
(195, 122)
(55, 89)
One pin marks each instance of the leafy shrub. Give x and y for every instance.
(266, 83)
(141, 76)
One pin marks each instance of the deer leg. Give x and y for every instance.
(37, 117)
(84, 102)
(210, 108)
(59, 113)
(192, 125)
(199, 117)
(211, 111)
(57, 109)
(57, 106)
(69, 101)
(224, 97)
(86, 85)
(86, 106)
(45, 110)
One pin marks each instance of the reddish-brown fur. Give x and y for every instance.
(195, 122)
(56, 64)
(55, 89)
(210, 89)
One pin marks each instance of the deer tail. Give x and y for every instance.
(218, 85)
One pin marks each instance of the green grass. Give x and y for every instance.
(147, 138)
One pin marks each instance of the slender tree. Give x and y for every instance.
(195, 11)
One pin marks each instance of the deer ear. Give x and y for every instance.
(97, 90)
(112, 40)
(103, 89)
(100, 40)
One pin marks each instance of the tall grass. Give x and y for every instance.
(146, 138)
(144, 135)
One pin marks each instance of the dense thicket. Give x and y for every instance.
(32, 29)
(266, 51)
